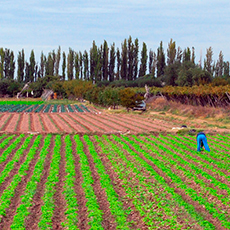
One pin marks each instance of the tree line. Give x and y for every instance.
(108, 63)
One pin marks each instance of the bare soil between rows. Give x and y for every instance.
(93, 123)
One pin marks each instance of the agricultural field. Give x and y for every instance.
(134, 181)
(36, 107)
(79, 122)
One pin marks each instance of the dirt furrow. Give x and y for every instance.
(11, 155)
(4, 118)
(35, 210)
(24, 125)
(86, 127)
(114, 127)
(13, 123)
(83, 120)
(59, 199)
(63, 126)
(76, 127)
(16, 167)
(16, 200)
(179, 211)
(6, 122)
(199, 208)
(123, 123)
(49, 126)
(82, 214)
(108, 220)
(118, 187)
(35, 123)
(190, 181)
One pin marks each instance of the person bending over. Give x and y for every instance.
(202, 141)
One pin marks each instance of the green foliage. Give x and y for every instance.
(9, 87)
(109, 97)
(129, 98)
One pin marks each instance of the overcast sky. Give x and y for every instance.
(43, 25)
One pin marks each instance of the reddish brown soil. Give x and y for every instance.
(108, 219)
(85, 123)
(59, 199)
(49, 126)
(35, 210)
(37, 127)
(24, 125)
(82, 214)
(77, 128)
(13, 123)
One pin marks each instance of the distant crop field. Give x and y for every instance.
(71, 181)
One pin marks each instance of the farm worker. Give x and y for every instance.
(202, 141)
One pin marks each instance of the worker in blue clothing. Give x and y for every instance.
(202, 141)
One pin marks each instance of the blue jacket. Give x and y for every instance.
(202, 141)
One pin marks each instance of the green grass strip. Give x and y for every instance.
(48, 197)
(95, 214)
(31, 187)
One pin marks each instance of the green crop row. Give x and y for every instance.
(173, 159)
(116, 206)
(192, 166)
(151, 210)
(20, 102)
(69, 184)
(10, 165)
(190, 209)
(31, 187)
(6, 153)
(95, 214)
(181, 184)
(203, 157)
(48, 206)
(6, 141)
(8, 193)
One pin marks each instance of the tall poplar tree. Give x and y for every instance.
(86, 65)
(32, 66)
(7, 64)
(63, 65)
(135, 58)
(150, 61)
(2, 57)
(160, 60)
(76, 65)
(70, 64)
(124, 60)
(144, 58)
(130, 58)
(12, 65)
(105, 61)
(208, 61)
(57, 62)
(21, 66)
(112, 62)
(42, 65)
(118, 76)
(171, 52)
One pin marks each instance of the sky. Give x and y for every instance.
(43, 25)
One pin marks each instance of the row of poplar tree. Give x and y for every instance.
(104, 63)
